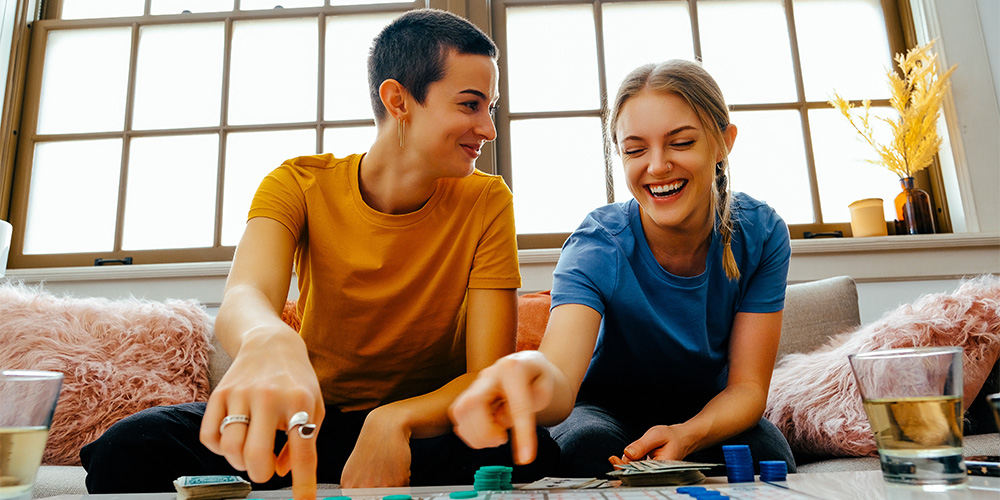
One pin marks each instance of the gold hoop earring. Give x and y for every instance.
(400, 130)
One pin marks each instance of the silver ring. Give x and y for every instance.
(232, 419)
(299, 421)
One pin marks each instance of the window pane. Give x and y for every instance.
(89, 9)
(193, 6)
(641, 33)
(84, 81)
(746, 48)
(855, 64)
(552, 58)
(178, 76)
(554, 196)
(271, 4)
(170, 197)
(768, 162)
(343, 141)
(841, 170)
(348, 40)
(274, 71)
(73, 204)
(249, 157)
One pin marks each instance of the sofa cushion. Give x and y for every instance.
(816, 311)
(532, 317)
(117, 357)
(814, 398)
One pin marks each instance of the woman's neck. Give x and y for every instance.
(391, 182)
(681, 251)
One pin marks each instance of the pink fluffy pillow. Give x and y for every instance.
(117, 357)
(814, 398)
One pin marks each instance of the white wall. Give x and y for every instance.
(966, 34)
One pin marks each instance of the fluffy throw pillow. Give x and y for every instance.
(814, 398)
(117, 357)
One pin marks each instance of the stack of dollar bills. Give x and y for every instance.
(660, 472)
(211, 487)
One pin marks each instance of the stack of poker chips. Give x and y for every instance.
(739, 464)
(773, 470)
(493, 478)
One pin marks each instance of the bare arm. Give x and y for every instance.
(381, 457)
(530, 386)
(271, 377)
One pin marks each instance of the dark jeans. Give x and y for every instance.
(591, 434)
(145, 452)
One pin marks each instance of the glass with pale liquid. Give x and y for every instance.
(913, 398)
(27, 402)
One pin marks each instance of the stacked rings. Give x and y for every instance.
(233, 419)
(299, 421)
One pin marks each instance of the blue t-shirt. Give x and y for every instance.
(664, 339)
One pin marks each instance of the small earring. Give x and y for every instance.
(400, 130)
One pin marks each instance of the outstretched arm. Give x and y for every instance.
(271, 377)
(529, 387)
(752, 350)
(381, 457)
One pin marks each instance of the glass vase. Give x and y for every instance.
(913, 209)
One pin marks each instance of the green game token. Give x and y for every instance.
(337, 498)
(397, 497)
(463, 494)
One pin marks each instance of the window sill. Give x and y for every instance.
(877, 259)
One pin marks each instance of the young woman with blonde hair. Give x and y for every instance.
(666, 309)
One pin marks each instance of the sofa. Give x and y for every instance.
(815, 312)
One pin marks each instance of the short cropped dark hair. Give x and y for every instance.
(413, 49)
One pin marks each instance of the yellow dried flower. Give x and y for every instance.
(917, 98)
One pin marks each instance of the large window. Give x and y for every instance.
(148, 124)
(777, 61)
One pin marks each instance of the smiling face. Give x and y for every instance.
(669, 161)
(450, 128)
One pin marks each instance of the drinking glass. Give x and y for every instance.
(913, 398)
(28, 402)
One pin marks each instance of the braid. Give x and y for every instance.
(723, 205)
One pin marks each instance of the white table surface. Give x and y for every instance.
(865, 485)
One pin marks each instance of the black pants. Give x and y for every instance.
(145, 452)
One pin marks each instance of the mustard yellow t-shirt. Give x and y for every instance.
(382, 297)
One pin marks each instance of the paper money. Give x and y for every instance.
(211, 487)
(660, 472)
(575, 483)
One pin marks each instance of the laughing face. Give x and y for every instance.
(669, 161)
(455, 120)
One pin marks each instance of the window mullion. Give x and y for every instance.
(695, 32)
(321, 80)
(220, 185)
(602, 86)
(800, 91)
(126, 136)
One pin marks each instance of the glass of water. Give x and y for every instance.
(913, 398)
(28, 402)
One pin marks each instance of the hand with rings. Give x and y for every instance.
(270, 387)
(299, 421)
